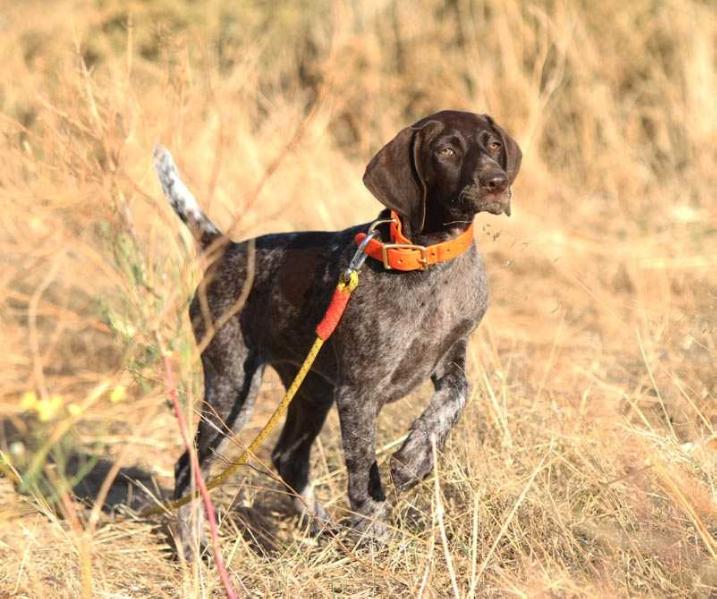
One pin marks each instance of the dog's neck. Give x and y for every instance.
(434, 232)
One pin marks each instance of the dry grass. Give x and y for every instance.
(586, 461)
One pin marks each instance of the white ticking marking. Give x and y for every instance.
(178, 194)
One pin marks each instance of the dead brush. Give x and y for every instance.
(583, 466)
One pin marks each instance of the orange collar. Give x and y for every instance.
(403, 255)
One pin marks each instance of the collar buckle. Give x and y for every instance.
(423, 260)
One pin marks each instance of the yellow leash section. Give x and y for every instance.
(348, 283)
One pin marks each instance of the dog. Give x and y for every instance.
(401, 326)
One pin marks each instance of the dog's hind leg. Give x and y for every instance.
(291, 456)
(232, 376)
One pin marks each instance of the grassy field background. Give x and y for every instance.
(585, 464)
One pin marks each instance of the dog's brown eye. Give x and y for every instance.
(494, 146)
(447, 152)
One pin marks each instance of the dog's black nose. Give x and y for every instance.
(495, 183)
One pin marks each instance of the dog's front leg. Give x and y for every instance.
(357, 414)
(414, 461)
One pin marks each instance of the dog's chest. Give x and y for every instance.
(430, 329)
(400, 331)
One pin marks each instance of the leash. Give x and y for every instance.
(348, 282)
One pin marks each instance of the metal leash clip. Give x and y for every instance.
(360, 255)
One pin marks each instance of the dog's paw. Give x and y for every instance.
(312, 513)
(190, 551)
(369, 526)
(317, 521)
(190, 548)
(190, 538)
(365, 532)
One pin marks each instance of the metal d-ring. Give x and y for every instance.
(360, 255)
(382, 221)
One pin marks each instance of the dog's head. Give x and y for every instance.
(442, 170)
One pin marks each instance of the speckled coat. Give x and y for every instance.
(399, 329)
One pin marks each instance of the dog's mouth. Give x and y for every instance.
(494, 203)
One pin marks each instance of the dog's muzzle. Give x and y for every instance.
(483, 201)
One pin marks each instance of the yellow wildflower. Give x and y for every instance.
(47, 408)
(119, 393)
(74, 409)
(28, 400)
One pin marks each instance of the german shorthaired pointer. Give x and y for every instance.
(400, 327)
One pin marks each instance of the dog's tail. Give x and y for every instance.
(182, 200)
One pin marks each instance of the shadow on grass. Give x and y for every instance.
(44, 470)
(133, 487)
(263, 523)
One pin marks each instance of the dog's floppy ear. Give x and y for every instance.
(395, 173)
(511, 151)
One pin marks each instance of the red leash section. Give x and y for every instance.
(337, 307)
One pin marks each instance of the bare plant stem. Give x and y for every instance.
(196, 472)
